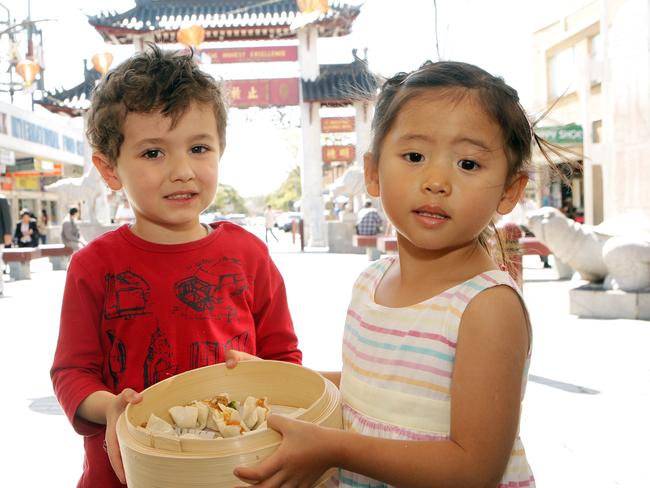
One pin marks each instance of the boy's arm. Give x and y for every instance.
(77, 367)
(275, 336)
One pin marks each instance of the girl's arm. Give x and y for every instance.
(485, 403)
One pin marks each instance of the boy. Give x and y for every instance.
(166, 294)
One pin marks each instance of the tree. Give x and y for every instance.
(228, 201)
(289, 192)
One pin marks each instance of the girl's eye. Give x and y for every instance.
(467, 164)
(152, 154)
(413, 157)
(199, 149)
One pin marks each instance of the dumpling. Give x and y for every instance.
(184, 417)
(156, 425)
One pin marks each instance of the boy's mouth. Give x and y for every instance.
(180, 196)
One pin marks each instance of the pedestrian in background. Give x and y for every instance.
(269, 222)
(437, 339)
(369, 223)
(70, 233)
(26, 233)
(6, 228)
(43, 223)
(131, 314)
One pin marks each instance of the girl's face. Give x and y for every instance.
(442, 171)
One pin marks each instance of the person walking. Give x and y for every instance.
(5, 235)
(269, 221)
(43, 222)
(70, 234)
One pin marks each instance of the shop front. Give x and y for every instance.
(36, 150)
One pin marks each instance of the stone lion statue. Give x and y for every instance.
(616, 252)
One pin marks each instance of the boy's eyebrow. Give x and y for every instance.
(158, 140)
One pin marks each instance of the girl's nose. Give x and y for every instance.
(437, 181)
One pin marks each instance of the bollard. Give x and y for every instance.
(301, 228)
(293, 231)
(509, 235)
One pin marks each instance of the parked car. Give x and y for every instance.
(285, 220)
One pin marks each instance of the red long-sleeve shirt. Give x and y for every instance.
(135, 313)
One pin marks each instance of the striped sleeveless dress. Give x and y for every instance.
(405, 356)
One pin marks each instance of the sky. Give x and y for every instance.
(398, 36)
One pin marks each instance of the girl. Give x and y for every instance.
(437, 339)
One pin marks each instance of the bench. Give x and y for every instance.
(19, 260)
(387, 244)
(59, 255)
(530, 245)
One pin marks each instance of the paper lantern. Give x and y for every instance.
(191, 36)
(308, 6)
(28, 70)
(102, 62)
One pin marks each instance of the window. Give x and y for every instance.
(561, 73)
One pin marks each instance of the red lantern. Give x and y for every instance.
(102, 62)
(28, 70)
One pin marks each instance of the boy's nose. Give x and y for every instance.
(181, 169)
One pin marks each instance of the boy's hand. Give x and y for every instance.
(299, 461)
(112, 446)
(233, 357)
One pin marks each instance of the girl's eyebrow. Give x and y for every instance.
(459, 140)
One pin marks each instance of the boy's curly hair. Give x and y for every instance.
(153, 80)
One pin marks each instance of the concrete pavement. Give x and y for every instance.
(585, 419)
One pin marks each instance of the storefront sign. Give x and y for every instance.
(345, 154)
(262, 93)
(27, 183)
(7, 157)
(252, 54)
(562, 134)
(337, 124)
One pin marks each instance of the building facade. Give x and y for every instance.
(36, 150)
(593, 67)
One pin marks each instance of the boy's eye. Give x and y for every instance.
(199, 149)
(467, 164)
(413, 157)
(152, 154)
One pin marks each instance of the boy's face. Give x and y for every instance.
(168, 174)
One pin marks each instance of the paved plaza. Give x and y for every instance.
(585, 417)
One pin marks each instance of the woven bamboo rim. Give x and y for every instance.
(168, 462)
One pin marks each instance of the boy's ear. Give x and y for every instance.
(371, 175)
(107, 171)
(512, 195)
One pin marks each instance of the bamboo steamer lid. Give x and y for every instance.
(169, 462)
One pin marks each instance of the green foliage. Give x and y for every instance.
(288, 193)
(228, 201)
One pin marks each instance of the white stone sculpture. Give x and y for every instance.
(89, 189)
(616, 252)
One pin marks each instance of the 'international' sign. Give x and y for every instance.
(339, 153)
(561, 134)
(337, 124)
(252, 54)
(262, 93)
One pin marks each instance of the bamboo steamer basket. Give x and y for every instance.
(152, 461)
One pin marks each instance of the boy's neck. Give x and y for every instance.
(165, 235)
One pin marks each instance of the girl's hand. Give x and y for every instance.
(112, 446)
(300, 460)
(233, 357)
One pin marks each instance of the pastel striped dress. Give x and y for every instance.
(404, 357)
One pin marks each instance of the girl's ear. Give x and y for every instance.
(107, 170)
(512, 194)
(371, 175)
